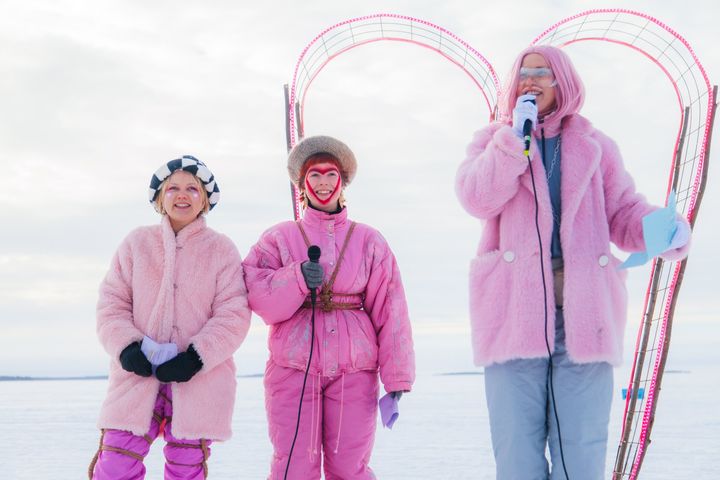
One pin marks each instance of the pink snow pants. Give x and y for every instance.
(121, 454)
(337, 423)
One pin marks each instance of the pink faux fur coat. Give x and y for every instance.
(186, 289)
(599, 206)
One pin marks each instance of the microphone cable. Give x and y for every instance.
(542, 271)
(313, 298)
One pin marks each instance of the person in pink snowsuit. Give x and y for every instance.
(361, 323)
(173, 287)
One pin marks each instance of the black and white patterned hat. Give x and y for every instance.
(191, 165)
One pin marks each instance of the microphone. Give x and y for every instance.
(527, 130)
(314, 253)
(313, 256)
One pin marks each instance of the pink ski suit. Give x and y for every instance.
(366, 327)
(186, 289)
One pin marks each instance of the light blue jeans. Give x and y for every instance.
(522, 420)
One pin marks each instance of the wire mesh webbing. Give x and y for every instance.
(373, 28)
(674, 56)
(351, 33)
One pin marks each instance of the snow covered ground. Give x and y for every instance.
(48, 426)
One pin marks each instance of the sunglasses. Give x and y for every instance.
(537, 73)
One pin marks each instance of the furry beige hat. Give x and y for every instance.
(321, 144)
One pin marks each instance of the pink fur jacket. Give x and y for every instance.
(599, 206)
(186, 289)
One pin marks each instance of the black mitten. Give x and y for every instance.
(181, 368)
(133, 360)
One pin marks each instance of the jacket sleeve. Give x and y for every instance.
(386, 305)
(223, 333)
(624, 206)
(490, 175)
(275, 291)
(115, 326)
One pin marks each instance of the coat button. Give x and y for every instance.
(509, 256)
(603, 260)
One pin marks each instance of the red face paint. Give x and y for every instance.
(322, 171)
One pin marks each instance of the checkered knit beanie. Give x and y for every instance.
(191, 165)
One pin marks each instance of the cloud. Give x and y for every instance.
(96, 97)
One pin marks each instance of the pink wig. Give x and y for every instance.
(569, 91)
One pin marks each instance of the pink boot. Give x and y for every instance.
(121, 454)
(185, 459)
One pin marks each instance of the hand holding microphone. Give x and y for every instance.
(312, 270)
(525, 116)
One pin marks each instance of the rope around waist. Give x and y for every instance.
(329, 301)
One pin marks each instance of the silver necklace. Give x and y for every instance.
(550, 170)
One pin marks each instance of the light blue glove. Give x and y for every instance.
(524, 110)
(681, 236)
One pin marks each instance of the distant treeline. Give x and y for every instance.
(249, 375)
(8, 378)
(26, 379)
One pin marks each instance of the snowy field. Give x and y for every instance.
(48, 426)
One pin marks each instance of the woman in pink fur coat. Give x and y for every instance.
(543, 375)
(361, 324)
(173, 287)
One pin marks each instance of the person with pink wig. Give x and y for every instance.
(547, 301)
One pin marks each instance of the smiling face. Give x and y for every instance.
(323, 185)
(183, 198)
(536, 78)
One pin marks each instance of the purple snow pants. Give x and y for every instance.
(121, 453)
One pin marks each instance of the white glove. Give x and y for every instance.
(681, 236)
(524, 110)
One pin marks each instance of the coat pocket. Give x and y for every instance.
(290, 341)
(487, 288)
(362, 340)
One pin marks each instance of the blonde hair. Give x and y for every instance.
(163, 188)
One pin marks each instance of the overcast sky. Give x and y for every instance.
(94, 96)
